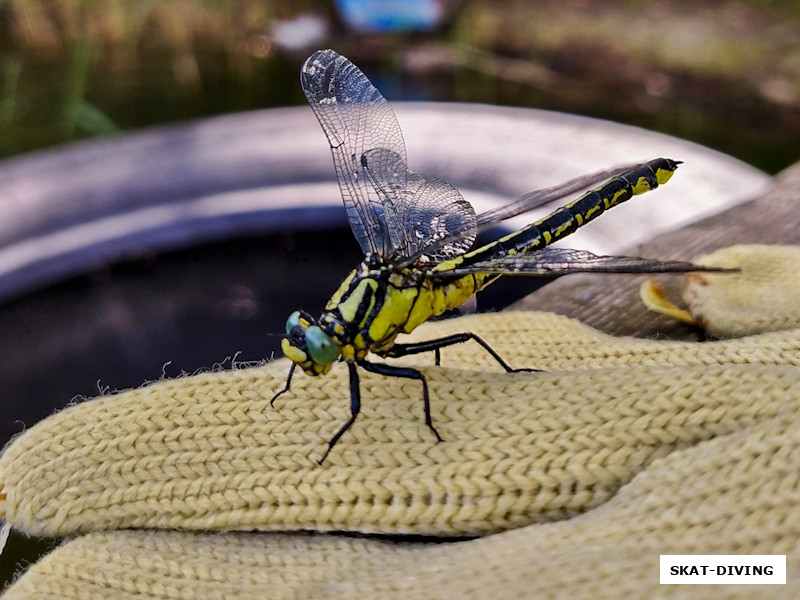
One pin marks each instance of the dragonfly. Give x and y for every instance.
(417, 235)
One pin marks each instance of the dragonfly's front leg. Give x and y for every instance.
(355, 408)
(286, 387)
(436, 345)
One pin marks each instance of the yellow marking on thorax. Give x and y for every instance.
(393, 315)
(353, 352)
(337, 295)
(348, 307)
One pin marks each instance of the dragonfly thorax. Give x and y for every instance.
(378, 301)
(355, 312)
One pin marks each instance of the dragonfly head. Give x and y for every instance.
(307, 345)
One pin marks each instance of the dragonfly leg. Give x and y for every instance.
(408, 373)
(355, 408)
(436, 345)
(286, 387)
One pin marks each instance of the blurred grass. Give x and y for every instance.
(71, 68)
(724, 73)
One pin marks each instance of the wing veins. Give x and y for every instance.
(562, 261)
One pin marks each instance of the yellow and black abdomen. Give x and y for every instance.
(565, 220)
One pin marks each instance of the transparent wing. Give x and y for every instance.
(421, 212)
(561, 261)
(355, 118)
(392, 211)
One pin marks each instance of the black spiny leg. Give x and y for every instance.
(436, 345)
(408, 373)
(355, 396)
(355, 408)
(286, 387)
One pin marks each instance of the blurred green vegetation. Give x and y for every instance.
(77, 68)
(723, 73)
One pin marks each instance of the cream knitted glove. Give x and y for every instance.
(650, 447)
(764, 296)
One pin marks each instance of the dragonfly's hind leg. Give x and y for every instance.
(436, 345)
(408, 373)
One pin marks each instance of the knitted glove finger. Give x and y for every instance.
(763, 296)
(209, 453)
(736, 493)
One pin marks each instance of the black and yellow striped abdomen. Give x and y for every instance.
(565, 220)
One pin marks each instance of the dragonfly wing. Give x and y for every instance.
(434, 212)
(562, 261)
(356, 118)
(392, 211)
(421, 212)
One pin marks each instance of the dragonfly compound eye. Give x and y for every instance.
(321, 348)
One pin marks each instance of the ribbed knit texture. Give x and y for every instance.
(652, 447)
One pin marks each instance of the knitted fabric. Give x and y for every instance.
(771, 301)
(650, 447)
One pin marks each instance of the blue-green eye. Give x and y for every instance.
(321, 348)
(293, 321)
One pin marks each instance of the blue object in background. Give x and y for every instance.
(390, 15)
